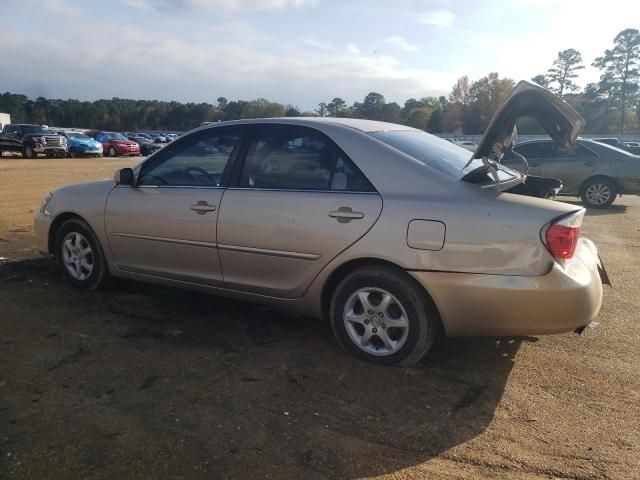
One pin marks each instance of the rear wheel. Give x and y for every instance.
(382, 316)
(598, 193)
(79, 255)
(112, 152)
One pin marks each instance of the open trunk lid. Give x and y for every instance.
(557, 118)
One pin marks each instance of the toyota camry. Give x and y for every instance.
(388, 232)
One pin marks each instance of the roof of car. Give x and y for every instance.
(367, 126)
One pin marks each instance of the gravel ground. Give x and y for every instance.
(141, 381)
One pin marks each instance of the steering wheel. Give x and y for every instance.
(200, 171)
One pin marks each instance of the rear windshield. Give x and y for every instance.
(446, 157)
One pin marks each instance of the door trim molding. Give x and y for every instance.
(273, 253)
(164, 239)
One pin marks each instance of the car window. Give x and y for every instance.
(292, 157)
(446, 156)
(574, 151)
(198, 161)
(535, 150)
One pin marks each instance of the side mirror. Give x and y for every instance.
(124, 176)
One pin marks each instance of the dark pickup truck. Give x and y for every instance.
(30, 140)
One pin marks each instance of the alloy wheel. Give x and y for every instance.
(77, 256)
(598, 194)
(376, 321)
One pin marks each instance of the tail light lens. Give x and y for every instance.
(562, 236)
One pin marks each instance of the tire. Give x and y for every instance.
(29, 152)
(408, 307)
(112, 152)
(88, 270)
(598, 192)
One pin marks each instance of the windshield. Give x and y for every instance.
(444, 156)
(79, 135)
(34, 129)
(117, 136)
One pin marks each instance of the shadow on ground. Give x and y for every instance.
(147, 381)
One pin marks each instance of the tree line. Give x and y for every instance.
(610, 105)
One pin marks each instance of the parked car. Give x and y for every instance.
(171, 137)
(633, 147)
(145, 135)
(82, 145)
(468, 145)
(115, 144)
(158, 138)
(31, 140)
(147, 147)
(614, 142)
(306, 230)
(594, 171)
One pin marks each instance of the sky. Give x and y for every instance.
(298, 52)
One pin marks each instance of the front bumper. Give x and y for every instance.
(41, 225)
(48, 149)
(123, 150)
(568, 298)
(86, 150)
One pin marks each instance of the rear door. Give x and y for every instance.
(166, 225)
(297, 202)
(572, 165)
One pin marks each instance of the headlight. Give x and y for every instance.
(45, 201)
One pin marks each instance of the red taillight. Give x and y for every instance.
(562, 236)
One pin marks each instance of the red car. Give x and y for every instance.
(115, 144)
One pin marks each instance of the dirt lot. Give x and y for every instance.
(140, 381)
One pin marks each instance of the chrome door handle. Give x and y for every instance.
(589, 164)
(345, 214)
(202, 207)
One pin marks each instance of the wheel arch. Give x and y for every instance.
(57, 223)
(347, 268)
(601, 176)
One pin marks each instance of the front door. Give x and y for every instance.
(297, 203)
(166, 225)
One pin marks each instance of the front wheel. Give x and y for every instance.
(79, 256)
(598, 193)
(29, 152)
(380, 315)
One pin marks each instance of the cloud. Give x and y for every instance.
(399, 43)
(138, 4)
(352, 48)
(437, 18)
(155, 67)
(227, 5)
(62, 7)
(312, 42)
